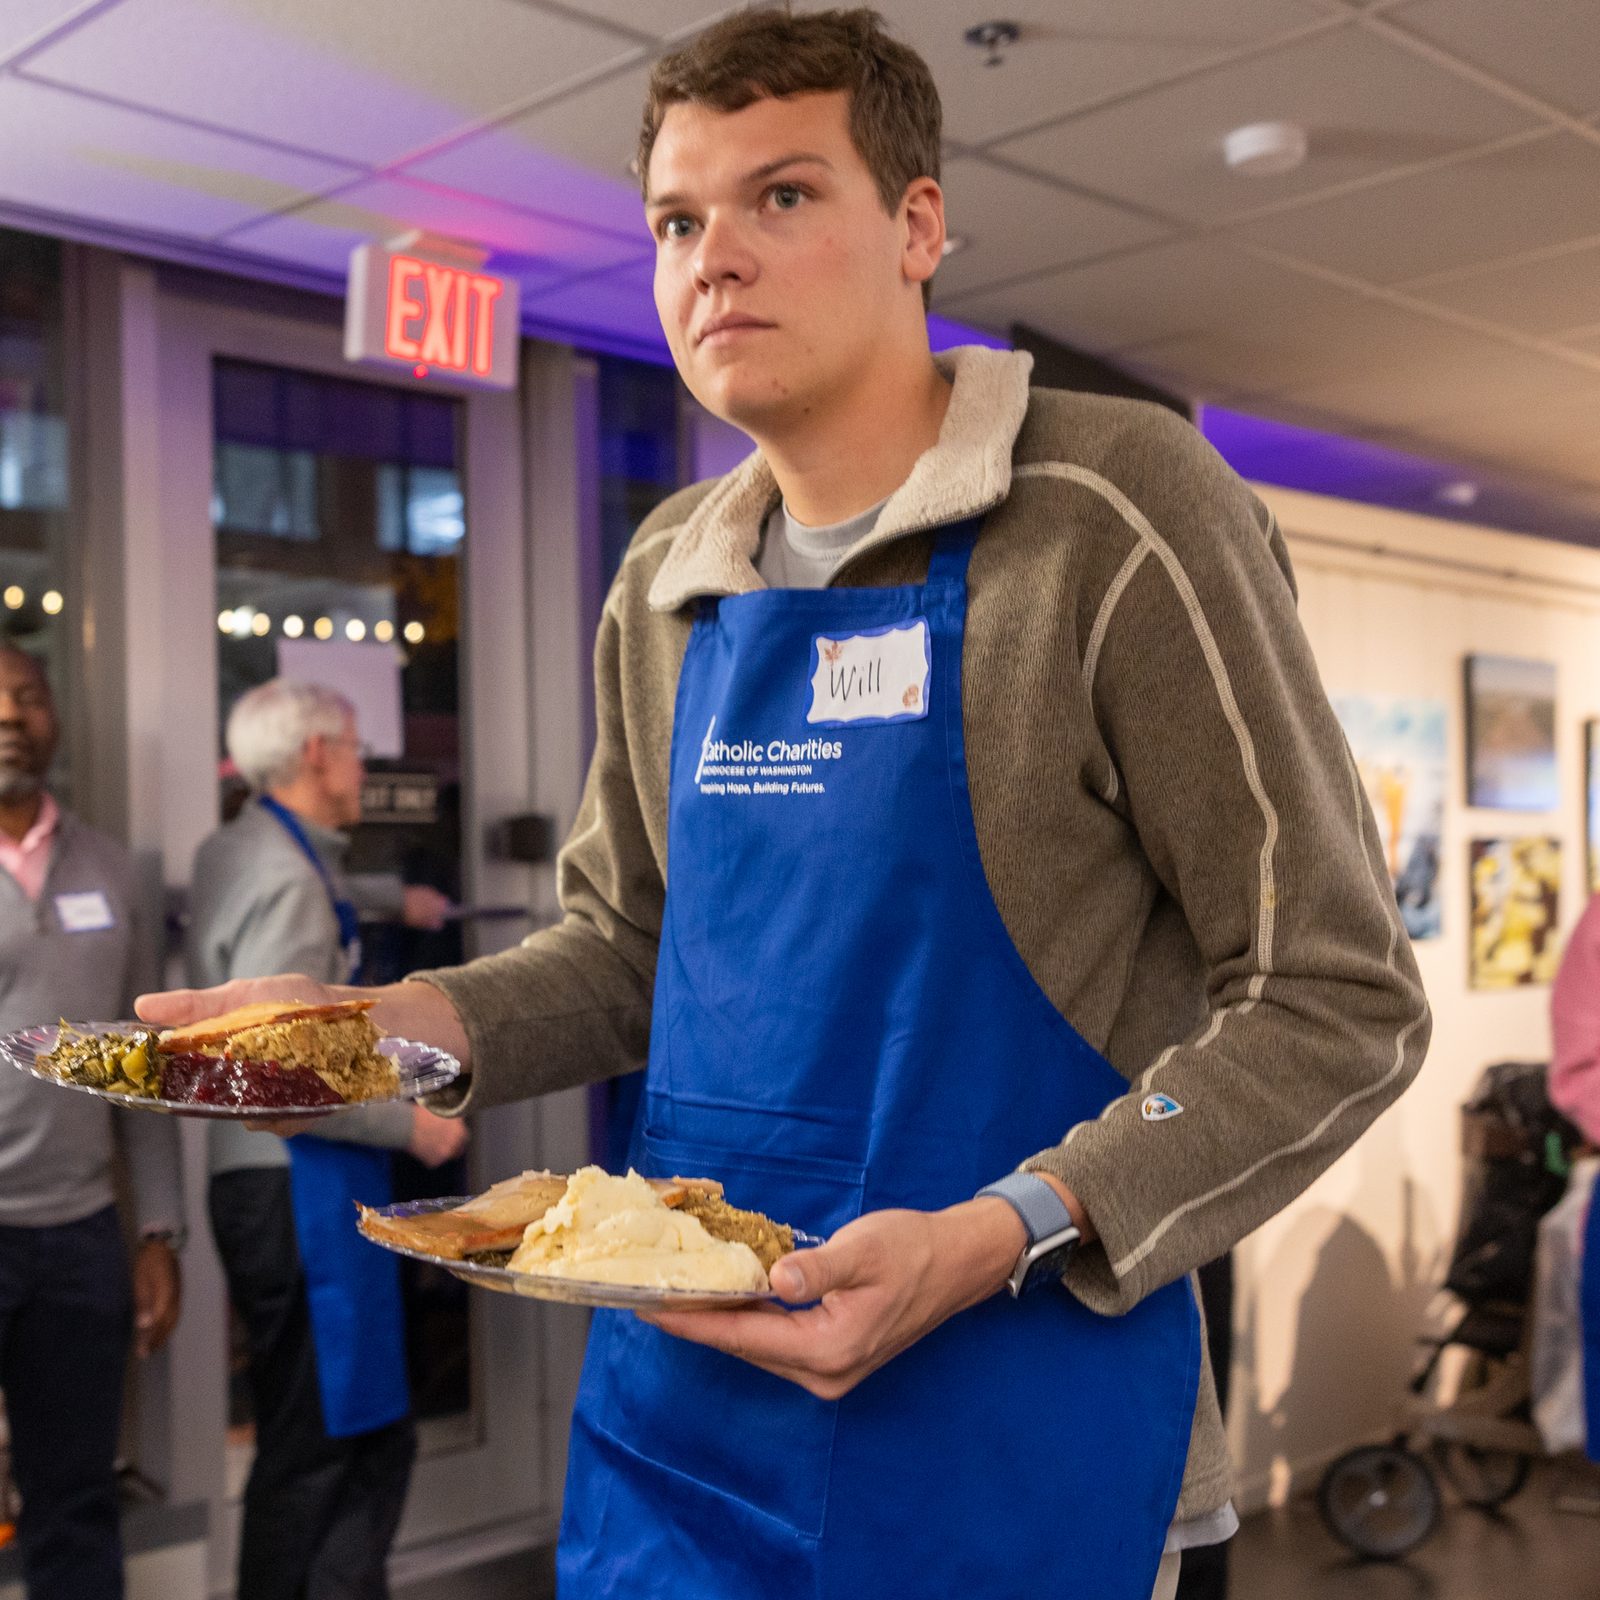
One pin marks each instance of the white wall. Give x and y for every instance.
(1331, 1292)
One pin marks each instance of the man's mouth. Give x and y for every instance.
(729, 326)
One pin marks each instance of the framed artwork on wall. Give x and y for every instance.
(1511, 734)
(1591, 803)
(1516, 905)
(1399, 750)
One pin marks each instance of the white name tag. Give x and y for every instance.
(871, 677)
(84, 913)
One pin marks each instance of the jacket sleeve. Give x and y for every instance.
(1236, 777)
(571, 1004)
(1575, 1027)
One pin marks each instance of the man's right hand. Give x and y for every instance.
(412, 1010)
(435, 1139)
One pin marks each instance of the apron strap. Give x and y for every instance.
(952, 551)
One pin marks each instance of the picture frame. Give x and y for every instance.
(1510, 725)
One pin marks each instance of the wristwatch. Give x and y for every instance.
(1052, 1234)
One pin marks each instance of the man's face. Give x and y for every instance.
(778, 271)
(342, 770)
(28, 728)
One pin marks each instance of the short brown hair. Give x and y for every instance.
(895, 115)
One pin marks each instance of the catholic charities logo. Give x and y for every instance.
(881, 676)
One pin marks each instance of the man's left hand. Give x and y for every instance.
(880, 1283)
(157, 1292)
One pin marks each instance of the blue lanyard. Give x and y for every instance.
(344, 910)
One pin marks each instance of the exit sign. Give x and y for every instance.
(428, 307)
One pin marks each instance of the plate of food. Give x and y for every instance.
(274, 1059)
(595, 1239)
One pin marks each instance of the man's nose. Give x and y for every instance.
(723, 255)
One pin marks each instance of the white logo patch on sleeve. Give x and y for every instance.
(881, 676)
(1158, 1107)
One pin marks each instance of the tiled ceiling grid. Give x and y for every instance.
(1430, 277)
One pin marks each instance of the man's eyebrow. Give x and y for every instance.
(765, 170)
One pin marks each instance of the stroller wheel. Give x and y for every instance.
(1380, 1500)
(1482, 1477)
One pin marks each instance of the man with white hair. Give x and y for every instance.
(334, 1439)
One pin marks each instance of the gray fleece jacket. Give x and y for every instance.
(1167, 814)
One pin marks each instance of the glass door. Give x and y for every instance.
(311, 521)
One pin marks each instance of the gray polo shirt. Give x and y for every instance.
(56, 1146)
(257, 907)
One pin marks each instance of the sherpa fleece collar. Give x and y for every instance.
(967, 472)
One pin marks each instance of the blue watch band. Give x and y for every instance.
(1042, 1210)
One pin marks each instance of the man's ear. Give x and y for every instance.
(922, 211)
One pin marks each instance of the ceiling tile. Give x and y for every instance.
(1546, 295)
(24, 21)
(1074, 56)
(1012, 225)
(659, 18)
(365, 80)
(1550, 49)
(1293, 325)
(1368, 105)
(570, 156)
(78, 157)
(1438, 372)
(1535, 192)
(538, 250)
(619, 304)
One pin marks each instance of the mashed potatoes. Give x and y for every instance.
(606, 1229)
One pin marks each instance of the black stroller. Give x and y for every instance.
(1383, 1500)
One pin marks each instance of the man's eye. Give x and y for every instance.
(676, 228)
(786, 196)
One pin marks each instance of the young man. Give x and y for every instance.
(74, 942)
(1009, 832)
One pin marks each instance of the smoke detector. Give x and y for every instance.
(993, 38)
(1265, 149)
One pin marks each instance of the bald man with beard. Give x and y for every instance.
(73, 943)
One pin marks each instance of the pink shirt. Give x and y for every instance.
(1575, 1022)
(28, 859)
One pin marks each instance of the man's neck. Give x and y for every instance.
(307, 802)
(835, 467)
(17, 816)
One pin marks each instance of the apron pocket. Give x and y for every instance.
(742, 1432)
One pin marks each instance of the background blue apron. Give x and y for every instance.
(841, 1024)
(352, 1289)
(1590, 1304)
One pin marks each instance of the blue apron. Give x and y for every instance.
(841, 1024)
(1590, 1304)
(352, 1290)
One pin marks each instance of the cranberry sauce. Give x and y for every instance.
(212, 1081)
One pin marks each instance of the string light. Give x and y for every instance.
(225, 622)
(355, 630)
(293, 626)
(261, 625)
(323, 627)
(14, 596)
(415, 633)
(383, 630)
(52, 602)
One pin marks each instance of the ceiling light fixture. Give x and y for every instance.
(993, 38)
(1265, 149)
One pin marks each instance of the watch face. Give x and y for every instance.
(1048, 1267)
